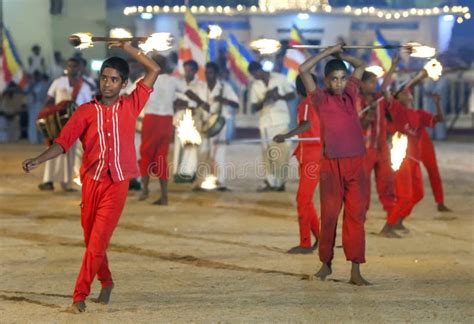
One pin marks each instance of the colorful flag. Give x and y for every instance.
(381, 57)
(11, 67)
(294, 57)
(239, 58)
(195, 41)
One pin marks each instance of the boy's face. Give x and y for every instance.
(336, 82)
(406, 99)
(111, 83)
(369, 86)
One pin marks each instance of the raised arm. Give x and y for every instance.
(357, 63)
(388, 77)
(420, 76)
(308, 65)
(152, 70)
(439, 110)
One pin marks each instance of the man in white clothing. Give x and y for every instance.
(221, 100)
(269, 96)
(70, 87)
(185, 157)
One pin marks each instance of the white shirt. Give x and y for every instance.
(163, 96)
(196, 86)
(61, 90)
(224, 90)
(36, 63)
(272, 113)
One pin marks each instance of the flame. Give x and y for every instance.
(265, 46)
(86, 40)
(120, 33)
(214, 31)
(421, 51)
(187, 132)
(209, 183)
(375, 69)
(157, 42)
(398, 150)
(434, 69)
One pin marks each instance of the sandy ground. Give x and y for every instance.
(220, 257)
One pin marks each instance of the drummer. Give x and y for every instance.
(222, 100)
(69, 87)
(185, 158)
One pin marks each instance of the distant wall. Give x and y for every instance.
(30, 22)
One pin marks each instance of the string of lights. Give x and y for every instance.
(276, 6)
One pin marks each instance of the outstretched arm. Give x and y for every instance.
(308, 65)
(52, 152)
(301, 128)
(151, 68)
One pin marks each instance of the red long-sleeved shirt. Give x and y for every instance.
(107, 134)
(411, 123)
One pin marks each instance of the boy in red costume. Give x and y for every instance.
(342, 176)
(308, 155)
(428, 158)
(408, 178)
(106, 128)
(374, 124)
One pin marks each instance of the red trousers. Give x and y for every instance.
(408, 188)
(428, 158)
(101, 207)
(157, 132)
(379, 161)
(342, 181)
(307, 215)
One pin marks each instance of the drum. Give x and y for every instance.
(52, 118)
(213, 125)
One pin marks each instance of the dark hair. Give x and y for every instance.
(254, 67)
(334, 65)
(74, 60)
(161, 61)
(213, 66)
(118, 64)
(192, 64)
(300, 88)
(368, 75)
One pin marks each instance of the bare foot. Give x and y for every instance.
(78, 307)
(161, 202)
(324, 271)
(143, 195)
(356, 277)
(389, 232)
(400, 227)
(442, 208)
(104, 296)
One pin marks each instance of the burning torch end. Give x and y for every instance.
(74, 40)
